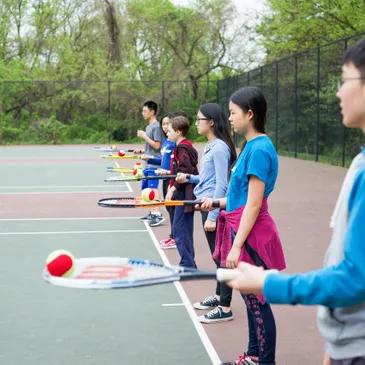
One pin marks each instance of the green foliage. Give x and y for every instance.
(294, 25)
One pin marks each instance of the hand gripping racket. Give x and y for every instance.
(135, 178)
(139, 203)
(122, 273)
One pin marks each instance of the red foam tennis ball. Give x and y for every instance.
(148, 195)
(60, 263)
(138, 173)
(121, 153)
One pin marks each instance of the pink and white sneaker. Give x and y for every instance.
(166, 240)
(167, 245)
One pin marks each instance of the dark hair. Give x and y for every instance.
(151, 105)
(356, 54)
(252, 98)
(180, 123)
(220, 129)
(169, 115)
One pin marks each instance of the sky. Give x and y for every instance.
(241, 5)
(247, 9)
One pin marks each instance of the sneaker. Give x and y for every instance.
(243, 360)
(165, 240)
(156, 220)
(216, 315)
(148, 217)
(207, 303)
(168, 245)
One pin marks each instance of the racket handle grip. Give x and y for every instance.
(227, 274)
(230, 274)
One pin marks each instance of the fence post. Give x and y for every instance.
(109, 111)
(318, 101)
(344, 132)
(277, 105)
(296, 108)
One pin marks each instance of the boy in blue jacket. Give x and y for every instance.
(338, 288)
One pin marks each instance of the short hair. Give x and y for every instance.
(180, 123)
(151, 105)
(356, 54)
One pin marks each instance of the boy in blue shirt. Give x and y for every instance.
(338, 288)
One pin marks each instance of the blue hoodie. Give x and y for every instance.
(339, 288)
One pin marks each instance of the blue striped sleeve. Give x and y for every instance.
(335, 286)
(194, 179)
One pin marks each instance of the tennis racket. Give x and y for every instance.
(119, 169)
(124, 157)
(108, 149)
(122, 273)
(139, 203)
(135, 178)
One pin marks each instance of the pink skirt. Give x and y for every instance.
(263, 246)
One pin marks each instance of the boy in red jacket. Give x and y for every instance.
(185, 158)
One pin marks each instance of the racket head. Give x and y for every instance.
(125, 170)
(127, 202)
(104, 149)
(114, 273)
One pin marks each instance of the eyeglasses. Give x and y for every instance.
(342, 81)
(199, 119)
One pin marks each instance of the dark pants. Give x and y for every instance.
(262, 330)
(354, 361)
(222, 289)
(170, 210)
(182, 229)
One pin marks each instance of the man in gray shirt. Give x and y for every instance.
(153, 136)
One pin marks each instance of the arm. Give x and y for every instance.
(154, 144)
(221, 158)
(155, 161)
(334, 286)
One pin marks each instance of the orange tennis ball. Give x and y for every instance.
(121, 153)
(138, 173)
(148, 195)
(60, 263)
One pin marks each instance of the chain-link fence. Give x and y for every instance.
(91, 111)
(303, 111)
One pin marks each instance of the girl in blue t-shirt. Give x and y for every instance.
(246, 231)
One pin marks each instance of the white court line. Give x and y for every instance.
(73, 232)
(173, 305)
(64, 192)
(198, 326)
(51, 186)
(63, 219)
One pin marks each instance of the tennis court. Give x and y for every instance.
(49, 200)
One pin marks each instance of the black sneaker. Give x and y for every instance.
(156, 220)
(148, 217)
(216, 315)
(207, 303)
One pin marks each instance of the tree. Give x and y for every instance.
(294, 25)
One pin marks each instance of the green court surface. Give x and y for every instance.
(42, 324)
(46, 325)
(34, 177)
